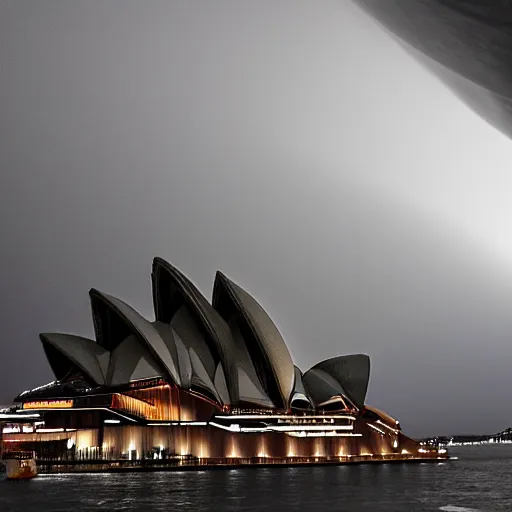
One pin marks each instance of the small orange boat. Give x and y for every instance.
(20, 465)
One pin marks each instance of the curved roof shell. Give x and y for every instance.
(179, 303)
(352, 372)
(131, 361)
(85, 354)
(321, 386)
(249, 385)
(300, 398)
(195, 363)
(114, 318)
(264, 343)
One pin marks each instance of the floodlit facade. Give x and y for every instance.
(466, 43)
(204, 383)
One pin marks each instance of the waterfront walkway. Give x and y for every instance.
(116, 466)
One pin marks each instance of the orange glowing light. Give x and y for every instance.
(49, 404)
(262, 450)
(203, 451)
(234, 453)
(319, 448)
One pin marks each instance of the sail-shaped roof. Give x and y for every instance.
(178, 302)
(321, 386)
(131, 361)
(81, 352)
(300, 398)
(113, 318)
(352, 372)
(262, 339)
(195, 363)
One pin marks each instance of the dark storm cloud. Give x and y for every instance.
(292, 145)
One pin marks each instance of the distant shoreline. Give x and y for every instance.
(501, 438)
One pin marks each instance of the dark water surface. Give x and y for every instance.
(481, 480)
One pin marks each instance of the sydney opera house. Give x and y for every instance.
(201, 384)
(465, 43)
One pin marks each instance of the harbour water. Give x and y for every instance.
(478, 481)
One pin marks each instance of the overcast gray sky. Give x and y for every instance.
(292, 144)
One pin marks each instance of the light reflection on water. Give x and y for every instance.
(479, 480)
